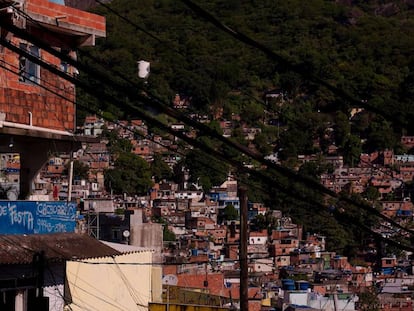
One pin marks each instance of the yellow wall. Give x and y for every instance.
(156, 284)
(119, 283)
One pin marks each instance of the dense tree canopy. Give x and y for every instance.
(160, 170)
(349, 46)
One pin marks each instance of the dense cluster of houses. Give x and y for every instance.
(287, 268)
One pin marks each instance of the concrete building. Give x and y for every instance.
(123, 282)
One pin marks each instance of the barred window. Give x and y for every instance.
(29, 72)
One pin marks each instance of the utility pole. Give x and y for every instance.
(244, 299)
(70, 179)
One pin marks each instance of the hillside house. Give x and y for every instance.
(283, 246)
(407, 141)
(93, 126)
(181, 102)
(202, 223)
(139, 126)
(401, 209)
(142, 148)
(258, 237)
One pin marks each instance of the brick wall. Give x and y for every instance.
(19, 99)
(72, 16)
(50, 105)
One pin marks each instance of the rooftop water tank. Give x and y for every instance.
(288, 284)
(302, 285)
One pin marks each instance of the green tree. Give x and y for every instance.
(342, 128)
(131, 174)
(116, 144)
(253, 112)
(352, 149)
(259, 222)
(80, 170)
(380, 135)
(313, 169)
(368, 300)
(267, 221)
(371, 193)
(261, 141)
(205, 169)
(159, 169)
(168, 235)
(230, 212)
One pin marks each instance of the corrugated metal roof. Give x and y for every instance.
(19, 249)
(124, 248)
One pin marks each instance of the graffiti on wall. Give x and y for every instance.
(30, 217)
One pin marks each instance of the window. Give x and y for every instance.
(29, 72)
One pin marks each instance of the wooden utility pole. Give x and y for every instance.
(244, 299)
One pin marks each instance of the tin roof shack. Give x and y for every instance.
(32, 268)
(37, 105)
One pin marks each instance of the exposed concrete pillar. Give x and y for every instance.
(35, 149)
(20, 302)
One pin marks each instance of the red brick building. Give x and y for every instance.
(37, 107)
(23, 99)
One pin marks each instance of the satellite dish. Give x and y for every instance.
(170, 279)
(126, 233)
(12, 195)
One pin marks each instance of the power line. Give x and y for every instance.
(140, 28)
(203, 129)
(239, 147)
(183, 136)
(178, 52)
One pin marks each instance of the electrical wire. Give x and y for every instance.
(178, 52)
(184, 137)
(136, 26)
(134, 294)
(119, 124)
(98, 294)
(270, 164)
(201, 127)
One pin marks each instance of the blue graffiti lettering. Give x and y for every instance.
(3, 210)
(60, 227)
(44, 226)
(62, 210)
(23, 218)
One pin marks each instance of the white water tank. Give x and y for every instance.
(143, 69)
